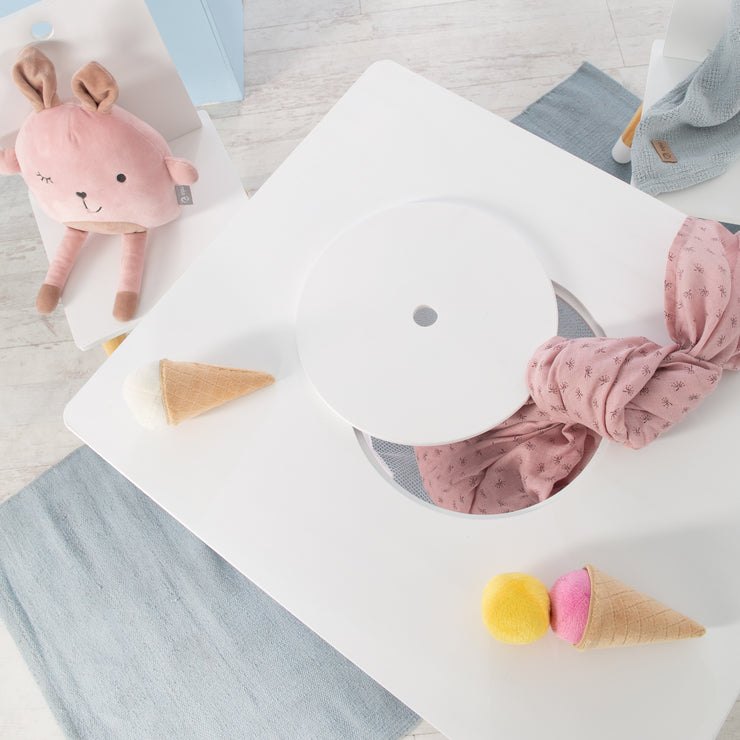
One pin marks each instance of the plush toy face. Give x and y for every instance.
(91, 165)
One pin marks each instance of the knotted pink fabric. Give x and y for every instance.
(625, 390)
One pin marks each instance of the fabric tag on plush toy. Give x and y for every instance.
(184, 198)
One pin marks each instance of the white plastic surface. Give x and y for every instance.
(695, 27)
(453, 376)
(664, 73)
(279, 485)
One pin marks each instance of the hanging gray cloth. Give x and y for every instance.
(698, 122)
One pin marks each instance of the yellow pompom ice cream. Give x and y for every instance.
(516, 608)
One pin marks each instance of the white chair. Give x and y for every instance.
(694, 28)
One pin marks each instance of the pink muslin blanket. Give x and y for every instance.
(626, 390)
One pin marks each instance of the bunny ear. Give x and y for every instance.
(95, 87)
(35, 77)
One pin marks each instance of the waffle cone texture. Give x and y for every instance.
(619, 615)
(190, 388)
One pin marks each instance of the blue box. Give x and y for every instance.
(205, 39)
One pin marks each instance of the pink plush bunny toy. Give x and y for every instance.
(95, 168)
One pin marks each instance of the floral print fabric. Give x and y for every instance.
(626, 390)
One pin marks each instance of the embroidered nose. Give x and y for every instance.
(81, 195)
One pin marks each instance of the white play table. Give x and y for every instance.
(280, 485)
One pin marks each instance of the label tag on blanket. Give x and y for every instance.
(184, 198)
(664, 151)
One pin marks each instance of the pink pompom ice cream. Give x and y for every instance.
(591, 609)
(570, 598)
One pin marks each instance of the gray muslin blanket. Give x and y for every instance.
(136, 630)
(699, 120)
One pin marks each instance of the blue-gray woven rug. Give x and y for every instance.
(134, 628)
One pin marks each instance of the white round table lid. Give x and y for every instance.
(416, 324)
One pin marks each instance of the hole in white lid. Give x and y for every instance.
(425, 315)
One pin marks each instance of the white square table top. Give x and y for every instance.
(280, 486)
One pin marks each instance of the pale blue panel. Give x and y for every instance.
(205, 39)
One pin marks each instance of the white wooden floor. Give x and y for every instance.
(300, 56)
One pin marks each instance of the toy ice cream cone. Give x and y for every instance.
(585, 607)
(619, 615)
(168, 393)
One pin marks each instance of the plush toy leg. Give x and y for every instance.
(132, 267)
(61, 265)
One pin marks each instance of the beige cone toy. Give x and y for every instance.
(620, 615)
(167, 393)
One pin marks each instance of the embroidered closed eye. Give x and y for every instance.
(44, 179)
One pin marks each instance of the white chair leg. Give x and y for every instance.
(622, 149)
(621, 153)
